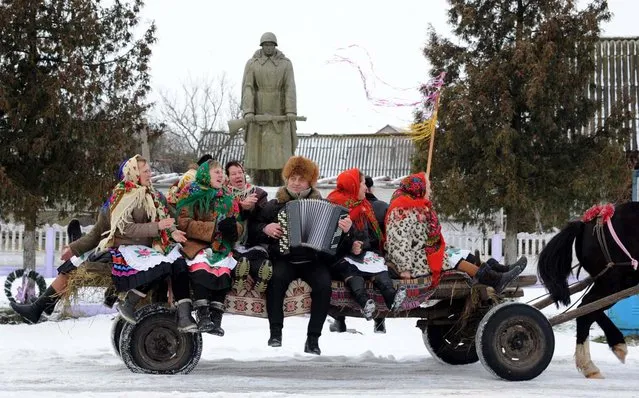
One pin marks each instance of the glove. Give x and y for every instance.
(228, 229)
(249, 118)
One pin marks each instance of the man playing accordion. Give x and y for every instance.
(300, 175)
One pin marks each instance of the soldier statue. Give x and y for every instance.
(269, 108)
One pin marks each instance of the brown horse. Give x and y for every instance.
(554, 267)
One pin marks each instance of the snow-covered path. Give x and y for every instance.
(74, 358)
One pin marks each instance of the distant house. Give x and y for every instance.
(387, 152)
(388, 129)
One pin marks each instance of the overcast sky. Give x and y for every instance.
(202, 39)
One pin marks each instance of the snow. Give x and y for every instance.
(74, 358)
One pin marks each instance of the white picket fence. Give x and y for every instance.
(12, 236)
(489, 245)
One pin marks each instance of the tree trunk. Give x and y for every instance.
(29, 244)
(510, 242)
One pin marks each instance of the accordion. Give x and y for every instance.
(311, 223)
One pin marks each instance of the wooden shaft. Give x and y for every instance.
(577, 287)
(594, 306)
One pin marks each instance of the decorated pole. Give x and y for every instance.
(426, 128)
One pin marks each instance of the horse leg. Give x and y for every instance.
(614, 337)
(583, 360)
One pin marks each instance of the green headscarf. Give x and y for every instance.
(202, 197)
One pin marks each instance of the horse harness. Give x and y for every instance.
(598, 231)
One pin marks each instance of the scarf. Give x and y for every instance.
(201, 198)
(360, 210)
(241, 193)
(128, 195)
(173, 195)
(412, 194)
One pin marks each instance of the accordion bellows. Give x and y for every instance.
(311, 223)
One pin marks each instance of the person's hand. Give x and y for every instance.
(357, 247)
(249, 202)
(166, 223)
(66, 253)
(345, 224)
(273, 230)
(291, 117)
(178, 236)
(405, 275)
(249, 118)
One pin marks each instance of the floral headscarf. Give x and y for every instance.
(201, 198)
(360, 210)
(127, 195)
(413, 193)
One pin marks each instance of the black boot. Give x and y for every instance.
(392, 298)
(311, 346)
(31, 313)
(217, 310)
(204, 324)
(276, 339)
(380, 325)
(494, 279)
(495, 265)
(185, 321)
(126, 307)
(339, 325)
(358, 291)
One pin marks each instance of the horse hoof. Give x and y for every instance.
(620, 351)
(595, 375)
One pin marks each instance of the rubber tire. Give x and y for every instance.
(16, 275)
(178, 352)
(116, 333)
(515, 341)
(445, 349)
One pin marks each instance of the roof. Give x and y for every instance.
(375, 154)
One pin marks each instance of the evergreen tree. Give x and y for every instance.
(73, 81)
(513, 116)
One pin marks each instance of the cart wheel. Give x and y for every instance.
(116, 332)
(17, 276)
(154, 345)
(515, 341)
(449, 345)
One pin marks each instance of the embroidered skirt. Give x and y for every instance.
(212, 274)
(135, 265)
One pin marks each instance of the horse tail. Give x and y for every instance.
(555, 262)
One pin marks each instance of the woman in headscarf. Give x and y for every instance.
(415, 245)
(365, 260)
(138, 239)
(207, 213)
(253, 258)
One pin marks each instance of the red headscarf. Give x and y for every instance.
(348, 183)
(412, 194)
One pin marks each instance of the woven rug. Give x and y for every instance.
(298, 296)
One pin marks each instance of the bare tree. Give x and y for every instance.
(200, 107)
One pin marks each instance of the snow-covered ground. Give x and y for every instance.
(74, 358)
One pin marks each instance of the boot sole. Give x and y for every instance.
(264, 274)
(189, 329)
(243, 269)
(400, 297)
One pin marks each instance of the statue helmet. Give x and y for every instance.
(268, 37)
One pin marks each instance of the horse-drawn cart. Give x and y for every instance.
(460, 325)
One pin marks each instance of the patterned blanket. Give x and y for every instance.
(298, 296)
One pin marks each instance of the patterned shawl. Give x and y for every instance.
(201, 198)
(413, 193)
(127, 195)
(360, 210)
